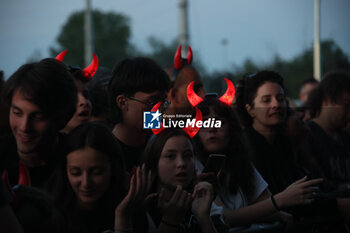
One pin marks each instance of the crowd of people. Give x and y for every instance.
(75, 157)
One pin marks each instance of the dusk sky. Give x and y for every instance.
(256, 29)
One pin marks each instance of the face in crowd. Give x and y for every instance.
(89, 174)
(30, 125)
(215, 140)
(176, 164)
(269, 106)
(83, 108)
(134, 106)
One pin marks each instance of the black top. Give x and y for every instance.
(326, 156)
(9, 161)
(132, 155)
(189, 224)
(275, 162)
(277, 165)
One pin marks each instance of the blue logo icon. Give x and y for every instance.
(151, 120)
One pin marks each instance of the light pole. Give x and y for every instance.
(88, 34)
(317, 47)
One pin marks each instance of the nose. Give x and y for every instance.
(25, 124)
(85, 180)
(82, 100)
(180, 163)
(275, 103)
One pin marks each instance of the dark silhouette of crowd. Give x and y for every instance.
(76, 155)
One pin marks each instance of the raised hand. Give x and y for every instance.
(140, 185)
(175, 209)
(202, 198)
(299, 192)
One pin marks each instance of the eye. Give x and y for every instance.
(280, 98)
(86, 94)
(98, 171)
(170, 156)
(39, 116)
(16, 112)
(75, 172)
(266, 99)
(188, 155)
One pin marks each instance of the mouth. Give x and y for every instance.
(182, 176)
(84, 115)
(276, 114)
(86, 193)
(26, 138)
(213, 139)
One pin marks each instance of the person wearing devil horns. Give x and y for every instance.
(181, 205)
(42, 97)
(81, 77)
(136, 86)
(181, 74)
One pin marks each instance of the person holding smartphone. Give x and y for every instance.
(243, 192)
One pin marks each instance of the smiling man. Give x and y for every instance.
(42, 98)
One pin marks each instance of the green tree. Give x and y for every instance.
(111, 38)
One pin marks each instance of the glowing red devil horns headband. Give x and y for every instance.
(178, 61)
(191, 131)
(226, 98)
(60, 56)
(89, 71)
(229, 95)
(192, 97)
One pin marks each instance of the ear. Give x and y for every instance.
(250, 110)
(122, 102)
(326, 101)
(173, 95)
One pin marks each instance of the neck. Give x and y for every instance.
(265, 131)
(129, 135)
(40, 156)
(31, 160)
(86, 206)
(324, 124)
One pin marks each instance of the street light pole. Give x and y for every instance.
(183, 25)
(88, 35)
(317, 47)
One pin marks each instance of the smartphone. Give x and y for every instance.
(215, 163)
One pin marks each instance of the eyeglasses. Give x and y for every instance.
(165, 104)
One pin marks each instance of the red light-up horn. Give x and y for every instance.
(24, 177)
(60, 56)
(178, 59)
(15, 200)
(192, 131)
(154, 109)
(189, 55)
(192, 97)
(229, 95)
(89, 71)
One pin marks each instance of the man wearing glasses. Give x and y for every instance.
(136, 86)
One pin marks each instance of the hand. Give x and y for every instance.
(175, 209)
(299, 192)
(202, 198)
(140, 185)
(211, 178)
(286, 218)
